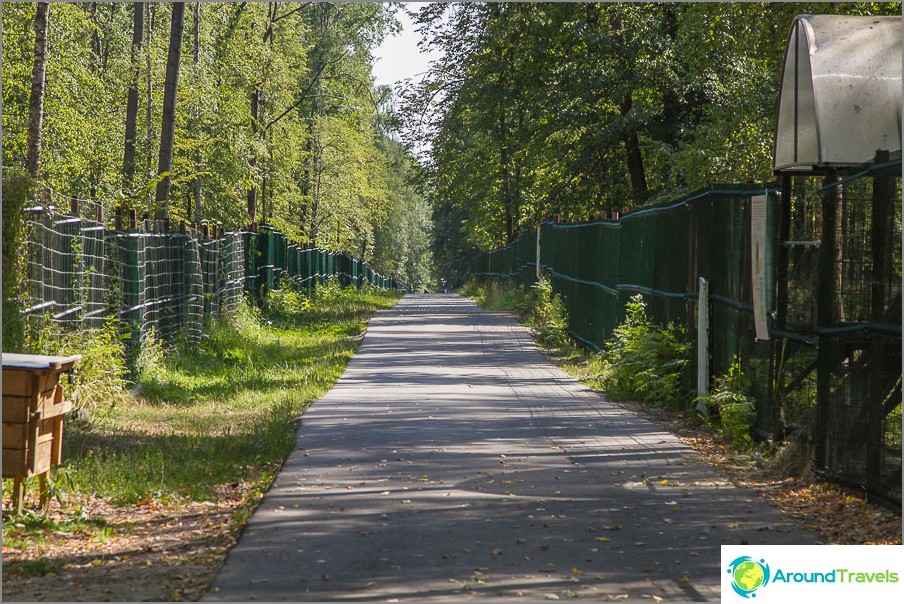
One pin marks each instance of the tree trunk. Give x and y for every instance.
(252, 191)
(38, 85)
(95, 34)
(168, 123)
(634, 158)
(149, 100)
(128, 158)
(196, 188)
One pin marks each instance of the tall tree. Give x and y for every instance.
(168, 123)
(38, 87)
(196, 52)
(128, 160)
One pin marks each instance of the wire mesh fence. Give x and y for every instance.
(857, 327)
(828, 367)
(272, 260)
(80, 272)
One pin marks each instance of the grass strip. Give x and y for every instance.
(223, 411)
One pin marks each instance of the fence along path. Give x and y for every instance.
(836, 382)
(81, 272)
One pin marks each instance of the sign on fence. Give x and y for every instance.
(758, 264)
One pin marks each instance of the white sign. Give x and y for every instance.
(758, 264)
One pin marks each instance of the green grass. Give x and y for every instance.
(40, 567)
(223, 411)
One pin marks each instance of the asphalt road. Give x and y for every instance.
(451, 461)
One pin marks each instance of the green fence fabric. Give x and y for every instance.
(659, 251)
(831, 368)
(168, 284)
(276, 259)
(66, 268)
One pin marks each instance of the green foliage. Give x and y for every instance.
(224, 411)
(287, 301)
(533, 107)
(548, 315)
(100, 376)
(16, 191)
(401, 243)
(732, 411)
(319, 153)
(151, 358)
(644, 361)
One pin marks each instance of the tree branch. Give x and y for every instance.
(293, 11)
(303, 96)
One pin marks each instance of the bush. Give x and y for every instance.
(16, 191)
(494, 294)
(100, 375)
(644, 361)
(731, 410)
(286, 301)
(548, 315)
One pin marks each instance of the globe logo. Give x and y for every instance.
(748, 575)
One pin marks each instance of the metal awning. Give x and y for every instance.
(840, 98)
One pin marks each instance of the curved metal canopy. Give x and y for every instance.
(840, 98)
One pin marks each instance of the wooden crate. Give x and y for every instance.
(34, 406)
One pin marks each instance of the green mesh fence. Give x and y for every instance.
(829, 377)
(168, 283)
(66, 268)
(659, 251)
(275, 259)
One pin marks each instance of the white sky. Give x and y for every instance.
(399, 57)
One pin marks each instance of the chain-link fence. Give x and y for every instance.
(165, 283)
(828, 366)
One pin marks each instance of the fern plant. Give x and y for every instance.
(732, 411)
(644, 361)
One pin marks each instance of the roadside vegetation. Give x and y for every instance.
(195, 439)
(644, 368)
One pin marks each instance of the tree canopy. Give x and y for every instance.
(532, 109)
(582, 108)
(275, 118)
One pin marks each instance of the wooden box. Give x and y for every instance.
(33, 408)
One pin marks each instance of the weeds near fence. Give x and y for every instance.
(538, 307)
(731, 409)
(548, 315)
(644, 361)
(100, 378)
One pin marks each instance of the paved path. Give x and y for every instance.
(452, 462)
